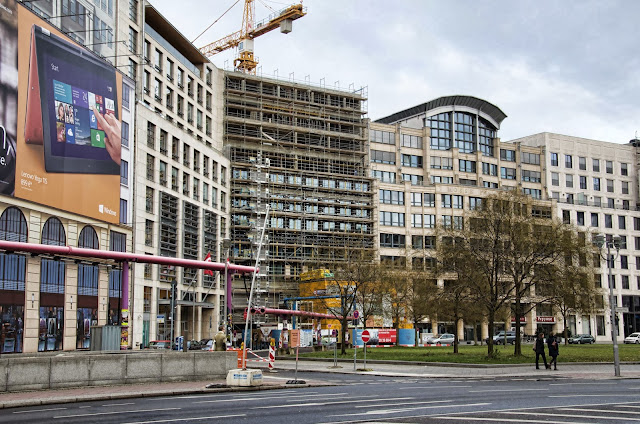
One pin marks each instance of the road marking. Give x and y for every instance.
(187, 419)
(600, 410)
(332, 403)
(509, 420)
(241, 396)
(116, 412)
(602, 395)
(581, 384)
(507, 390)
(399, 410)
(432, 387)
(118, 404)
(38, 410)
(590, 417)
(287, 397)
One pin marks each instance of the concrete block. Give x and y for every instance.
(214, 364)
(144, 368)
(107, 369)
(28, 373)
(244, 378)
(178, 366)
(69, 371)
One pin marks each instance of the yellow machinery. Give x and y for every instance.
(243, 39)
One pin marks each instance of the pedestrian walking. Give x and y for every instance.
(552, 343)
(538, 348)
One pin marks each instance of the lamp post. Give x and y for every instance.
(599, 240)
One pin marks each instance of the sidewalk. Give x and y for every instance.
(273, 381)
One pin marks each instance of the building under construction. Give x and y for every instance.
(314, 143)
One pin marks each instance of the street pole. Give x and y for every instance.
(612, 306)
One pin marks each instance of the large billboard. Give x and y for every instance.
(60, 113)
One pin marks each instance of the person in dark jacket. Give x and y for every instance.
(539, 350)
(552, 343)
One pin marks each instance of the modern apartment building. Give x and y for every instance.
(435, 162)
(317, 184)
(181, 200)
(595, 184)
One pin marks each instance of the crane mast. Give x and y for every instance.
(243, 39)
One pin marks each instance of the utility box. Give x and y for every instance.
(105, 337)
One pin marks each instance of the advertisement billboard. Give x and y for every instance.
(60, 118)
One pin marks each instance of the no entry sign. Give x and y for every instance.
(365, 336)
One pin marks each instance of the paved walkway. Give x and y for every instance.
(274, 381)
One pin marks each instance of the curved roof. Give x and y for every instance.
(469, 101)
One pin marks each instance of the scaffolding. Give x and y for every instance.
(320, 193)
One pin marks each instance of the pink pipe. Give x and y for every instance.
(15, 246)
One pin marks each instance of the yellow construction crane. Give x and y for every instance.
(243, 39)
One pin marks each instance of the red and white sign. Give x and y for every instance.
(365, 336)
(548, 320)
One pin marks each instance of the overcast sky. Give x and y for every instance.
(570, 67)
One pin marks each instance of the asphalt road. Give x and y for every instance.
(361, 398)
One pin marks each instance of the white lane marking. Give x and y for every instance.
(116, 412)
(432, 387)
(510, 420)
(590, 417)
(38, 410)
(287, 398)
(599, 410)
(601, 395)
(581, 384)
(507, 390)
(399, 410)
(241, 396)
(187, 419)
(119, 404)
(627, 406)
(332, 403)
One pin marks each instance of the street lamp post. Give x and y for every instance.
(599, 240)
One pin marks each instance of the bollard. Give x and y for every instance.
(272, 354)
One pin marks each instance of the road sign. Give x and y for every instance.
(365, 336)
(356, 314)
(622, 309)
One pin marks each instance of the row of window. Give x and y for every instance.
(583, 183)
(581, 199)
(595, 164)
(595, 220)
(397, 219)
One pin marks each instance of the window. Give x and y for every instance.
(392, 240)
(447, 221)
(610, 202)
(566, 217)
(582, 163)
(622, 222)
(597, 201)
(148, 232)
(446, 201)
(465, 132)
(596, 165)
(609, 167)
(569, 180)
(390, 197)
(608, 221)
(378, 156)
(441, 163)
(123, 211)
(535, 193)
(412, 161)
(570, 198)
(416, 199)
(554, 159)
(133, 41)
(594, 220)
(489, 169)
(125, 134)
(508, 173)
(580, 218)
(583, 182)
(124, 173)
(623, 169)
(625, 282)
(383, 137)
(466, 165)
(440, 131)
(624, 262)
(609, 186)
(475, 202)
(458, 201)
(429, 199)
(126, 94)
(531, 158)
(414, 179)
(555, 179)
(151, 167)
(392, 219)
(384, 176)
(596, 184)
(412, 141)
(458, 222)
(531, 176)
(163, 173)
(508, 155)
(625, 187)
(568, 161)
(416, 220)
